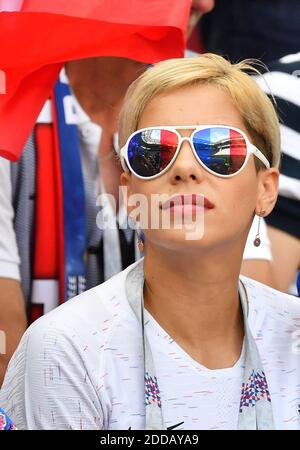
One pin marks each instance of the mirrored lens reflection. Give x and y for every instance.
(222, 150)
(150, 151)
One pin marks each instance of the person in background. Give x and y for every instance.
(283, 82)
(28, 243)
(13, 320)
(252, 29)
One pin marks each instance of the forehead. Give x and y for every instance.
(191, 105)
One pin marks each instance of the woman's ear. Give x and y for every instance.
(267, 190)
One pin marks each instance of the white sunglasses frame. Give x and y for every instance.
(251, 149)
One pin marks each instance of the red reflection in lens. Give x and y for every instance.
(238, 151)
(169, 143)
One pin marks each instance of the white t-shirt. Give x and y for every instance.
(81, 366)
(9, 256)
(193, 394)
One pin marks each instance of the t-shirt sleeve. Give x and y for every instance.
(48, 385)
(9, 255)
(263, 252)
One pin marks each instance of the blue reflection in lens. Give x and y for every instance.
(150, 151)
(214, 148)
(144, 153)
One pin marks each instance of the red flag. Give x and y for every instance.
(45, 33)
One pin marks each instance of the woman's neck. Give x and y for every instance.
(195, 299)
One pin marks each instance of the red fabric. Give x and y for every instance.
(46, 244)
(37, 40)
(49, 237)
(36, 311)
(194, 42)
(45, 260)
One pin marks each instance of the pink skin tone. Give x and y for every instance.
(186, 205)
(184, 279)
(198, 8)
(203, 5)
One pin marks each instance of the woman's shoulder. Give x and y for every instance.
(95, 312)
(65, 353)
(281, 306)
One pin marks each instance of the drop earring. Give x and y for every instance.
(135, 225)
(140, 244)
(257, 240)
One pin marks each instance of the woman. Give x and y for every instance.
(208, 350)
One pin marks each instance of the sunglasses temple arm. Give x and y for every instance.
(260, 156)
(123, 159)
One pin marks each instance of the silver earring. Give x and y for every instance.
(140, 244)
(135, 225)
(257, 240)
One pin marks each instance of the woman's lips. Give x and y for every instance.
(187, 203)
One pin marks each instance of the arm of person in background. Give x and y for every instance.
(283, 81)
(51, 381)
(257, 261)
(12, 317)
(286, 254)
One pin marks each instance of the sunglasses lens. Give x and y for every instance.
(221, 150)
(151, 151)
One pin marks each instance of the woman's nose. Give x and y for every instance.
(186, 167)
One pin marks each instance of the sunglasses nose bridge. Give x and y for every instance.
(185, 139)
(185, 154)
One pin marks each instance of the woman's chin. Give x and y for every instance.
(184, 239)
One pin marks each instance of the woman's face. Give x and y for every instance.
(232, 202)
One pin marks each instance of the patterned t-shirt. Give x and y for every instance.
(81, 367)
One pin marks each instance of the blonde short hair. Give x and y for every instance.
(256, 109)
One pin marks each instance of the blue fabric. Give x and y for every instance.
(261, 29)
(75, 224)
